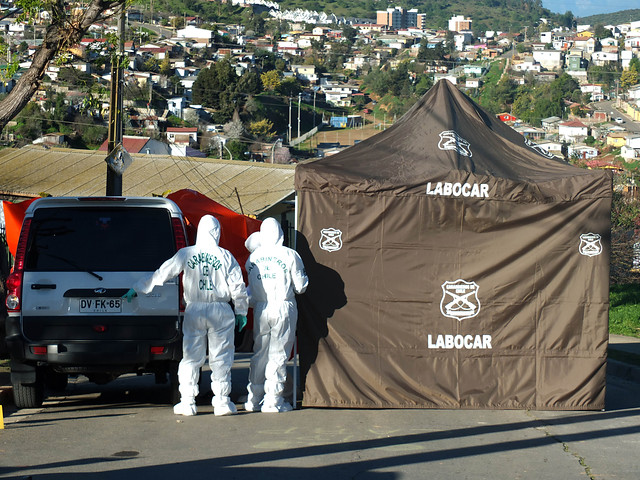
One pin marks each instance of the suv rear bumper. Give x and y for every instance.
(106, 355)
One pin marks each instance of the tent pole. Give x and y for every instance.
(294, 401)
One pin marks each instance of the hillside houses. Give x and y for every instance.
(161, 72)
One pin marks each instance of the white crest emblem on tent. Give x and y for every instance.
(459, 299)
(331, 239)
(538, 148)
(450, 140)
(590, 244)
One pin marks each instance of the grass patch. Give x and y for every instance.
(624, 309)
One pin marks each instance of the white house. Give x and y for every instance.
(595, 90)
(634, 93)
(182, 135)
(625, 58)
(603, 58)
(609, 42)
(584, 152)
(306, 73)
(554, 148)
(527, 66)
(631, 151)
(194, 32)
(176, 106)
(632, 41)
(549, 59)
(473, 83)
(572, 131)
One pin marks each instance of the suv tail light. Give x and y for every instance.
(14, 282)
(181, 242)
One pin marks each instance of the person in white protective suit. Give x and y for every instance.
(211, 278)
(276, 274)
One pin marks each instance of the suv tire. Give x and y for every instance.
(29, 395)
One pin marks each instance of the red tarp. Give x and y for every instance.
(235, 227)
(13, 216)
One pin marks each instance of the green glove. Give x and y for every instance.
(241, 322)
(130, 294)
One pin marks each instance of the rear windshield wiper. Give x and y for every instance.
(74, 265)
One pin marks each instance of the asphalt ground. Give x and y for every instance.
(124, 431)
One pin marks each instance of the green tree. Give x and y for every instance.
(289, 87)
(151, 65)
(426, 53)
(423, 84)
(29, 122)
(600, 32)
(271, 80)
(237, 149)
(629, 78)
(215, 85)
(262, 129)
(349, 34)
(165, 67)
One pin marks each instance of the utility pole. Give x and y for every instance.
(315, 90)
(289, 120)
(299, 97)
(114, 173)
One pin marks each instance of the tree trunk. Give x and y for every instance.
(64, 31)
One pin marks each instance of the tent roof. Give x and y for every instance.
(446, 136)
(31, 170)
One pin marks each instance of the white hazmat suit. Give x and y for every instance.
(211, 278)
(276, 274)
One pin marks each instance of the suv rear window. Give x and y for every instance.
(99, 239)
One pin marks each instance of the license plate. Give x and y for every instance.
(100, 305)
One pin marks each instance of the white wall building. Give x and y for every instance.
(602, 58)
(572, 131)
(549, 59)
(194, 32)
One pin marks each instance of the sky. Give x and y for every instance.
(584, 8)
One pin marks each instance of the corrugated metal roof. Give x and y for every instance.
(33, 170)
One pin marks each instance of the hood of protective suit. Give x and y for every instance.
(271, 233)
(252, 242)
(208, 231)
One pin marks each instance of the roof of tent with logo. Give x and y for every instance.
(446, 131)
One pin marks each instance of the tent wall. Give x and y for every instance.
(530, 316)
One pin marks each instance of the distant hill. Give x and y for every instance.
(501, 15)
(616, 18)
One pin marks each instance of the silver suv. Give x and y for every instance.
(75, 259)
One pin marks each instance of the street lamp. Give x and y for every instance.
(273, 147)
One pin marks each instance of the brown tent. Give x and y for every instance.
(452, 264)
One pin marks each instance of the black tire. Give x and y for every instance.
(29, 395)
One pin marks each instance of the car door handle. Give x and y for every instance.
(43, 286)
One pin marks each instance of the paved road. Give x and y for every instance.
(125, 430)
(610, 107)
